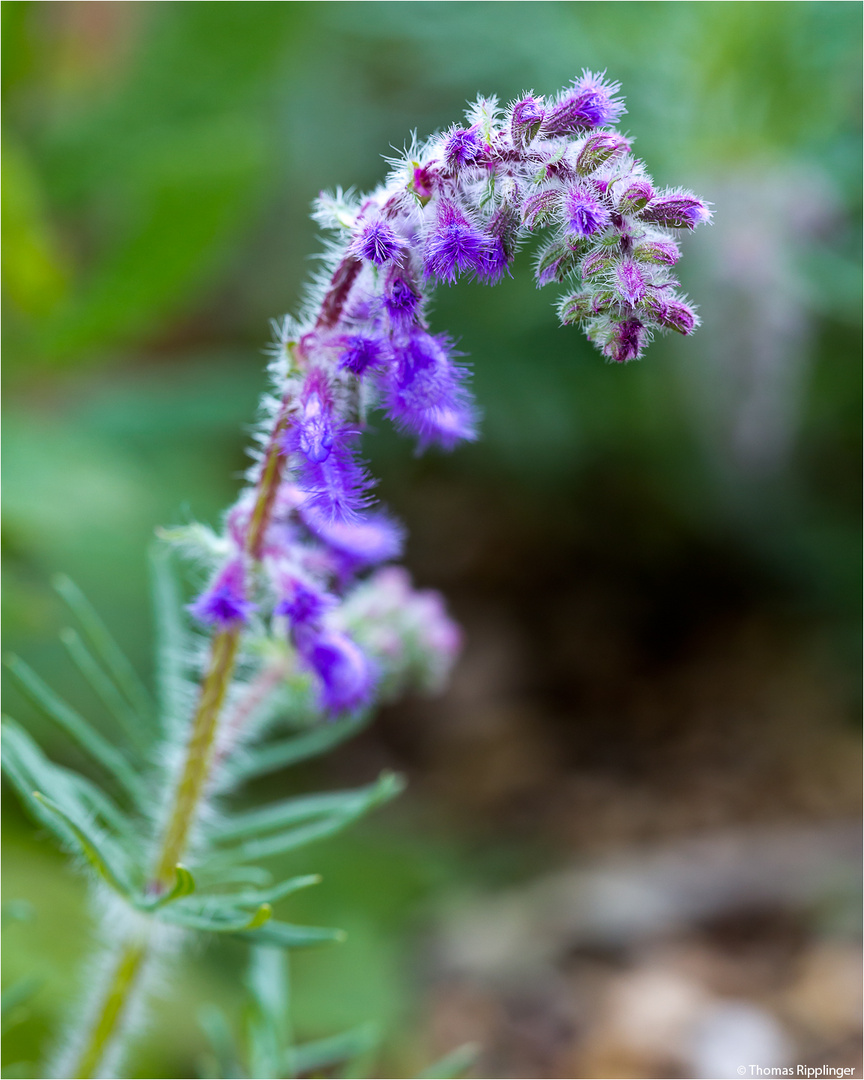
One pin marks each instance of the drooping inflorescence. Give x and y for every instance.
(462, 204)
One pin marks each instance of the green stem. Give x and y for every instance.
(123, 978)
(187, 796)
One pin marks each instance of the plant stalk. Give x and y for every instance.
(214, 687)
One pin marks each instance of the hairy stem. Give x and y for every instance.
(120, 986)
(200, 755)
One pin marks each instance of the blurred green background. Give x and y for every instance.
(657, 567)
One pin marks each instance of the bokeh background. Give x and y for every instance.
(629, 843)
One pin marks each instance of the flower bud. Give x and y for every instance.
(599, 149)
(661, 252)
(540, 209)
(679, 211)
(575, 308)
(637, 194)
(525, 120)
(629, 282)
(673, 314)
(585, 215)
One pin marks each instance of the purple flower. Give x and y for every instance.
(629, 281)
(223, 604)
(336, 488)
(585, 215)
(361, 353)
(426, 393)
(303, 605)
(525, 120)
(591, 103)
(400, 300)
(463, 147)
(345, 674)
(676, 211)
(455, 247)
(626, 342)
(365, 541)
(495, 263)
(378, 243)
(313, 432)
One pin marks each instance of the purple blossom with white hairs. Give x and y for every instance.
(224, 604)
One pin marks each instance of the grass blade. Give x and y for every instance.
(286, 936)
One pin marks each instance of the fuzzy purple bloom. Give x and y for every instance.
(335, 489)
(378, 243)
(426, 394)
(455, 247)
(224, 603)
(366, 541)
(346, 676)
(361, 353)
(495, 263)
(676, 212)
(303, 605)
(313, 433)
(400, 301)
(591, 103)
(423, 183)
(463, 147)
(627, 341)
(629, 281)
(585, 215)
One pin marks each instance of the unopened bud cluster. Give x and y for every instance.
(462, 204)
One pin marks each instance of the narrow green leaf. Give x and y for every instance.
(295, 810)
(215, 1026)
(77, 728)
(253, 897)
(287, 936)
(267, 1026)
(452, 1065)
(279, 755)
(24, 779)
(70, 790)
(106, 647)
(324, 1053)
(104, 688)
(219, 925)
(171, 633)
(388, 786)
(91, 847)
